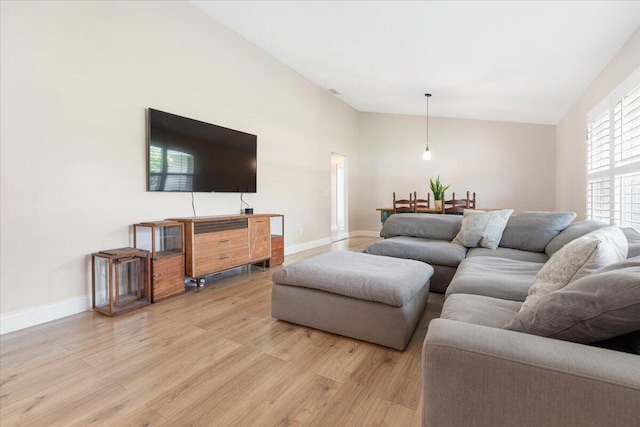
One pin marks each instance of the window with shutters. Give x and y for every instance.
(613, 157)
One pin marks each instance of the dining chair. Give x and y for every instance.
(457, 206)
(422, 203)
(472, 201)
(403, 205)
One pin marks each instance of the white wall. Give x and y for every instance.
(76, 78)
(508, 165)
(571, 145)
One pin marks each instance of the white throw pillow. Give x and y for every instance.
(576, 259)
(482, 229)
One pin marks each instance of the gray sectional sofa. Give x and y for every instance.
(428, 238)
(481, 369)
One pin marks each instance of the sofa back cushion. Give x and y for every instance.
(533, 230)
(426, 226)
(633, 237)
(598, 306)
(577, 259)
(572, 232)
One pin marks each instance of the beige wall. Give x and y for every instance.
(508, 165)
(76, 79)
(571, 145)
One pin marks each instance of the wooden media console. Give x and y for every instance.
(217, 243)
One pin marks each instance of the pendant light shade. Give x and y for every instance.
(427, 154)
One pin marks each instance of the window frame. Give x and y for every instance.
(610, 172)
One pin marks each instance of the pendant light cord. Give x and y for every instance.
(428, 95)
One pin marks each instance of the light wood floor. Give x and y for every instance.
(210, 358)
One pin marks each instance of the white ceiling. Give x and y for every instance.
(511, 61)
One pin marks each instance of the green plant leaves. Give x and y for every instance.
(437, 188)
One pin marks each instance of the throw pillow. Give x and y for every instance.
(533, 230)
(596, 307)
(481, 228)
(576, 259)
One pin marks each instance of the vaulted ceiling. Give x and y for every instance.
(513, 61)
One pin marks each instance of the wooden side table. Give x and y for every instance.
(120, 280)
(164, 240)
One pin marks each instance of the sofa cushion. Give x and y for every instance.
(533, 230)
(633, 238)
(436, 227)
(598, 306)
(482, 229)
(576, 259)
(494, 277)
(509, 253)
(572, 232)
(356, 275)
(437, 252)
(480, 310)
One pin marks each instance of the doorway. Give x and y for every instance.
(339, 218)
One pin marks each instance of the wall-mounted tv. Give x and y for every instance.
(189, 155)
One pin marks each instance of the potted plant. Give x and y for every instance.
(438, 191)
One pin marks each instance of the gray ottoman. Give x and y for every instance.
(372, 298)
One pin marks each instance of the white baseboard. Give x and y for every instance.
(21, 319)
(306, 246)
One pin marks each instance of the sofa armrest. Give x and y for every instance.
(482, 376)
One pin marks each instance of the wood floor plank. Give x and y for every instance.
(177, 370)
(127, 369)
(297, 341)
(214, 357)
(46, 409)
(385, 413)
(21, 342)
(283, 392)
(367, 382)
(246, 382)
(299, 406)
(197, 385)
(140, 416)
(346, 357)
(25, 383)
(417, 416)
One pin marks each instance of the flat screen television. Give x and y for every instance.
(193, 156)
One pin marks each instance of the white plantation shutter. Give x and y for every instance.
(627, 128)
(613, 157)
(598, 143)
(599, 200)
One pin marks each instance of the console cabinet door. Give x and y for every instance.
(259, 239)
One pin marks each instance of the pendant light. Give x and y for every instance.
(427, 154)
